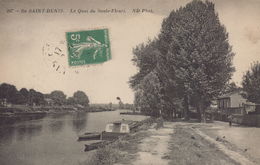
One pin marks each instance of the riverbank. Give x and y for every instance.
(52, 109)
(16, 113)
(122, 150)
(176, 143)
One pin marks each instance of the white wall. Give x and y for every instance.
(237, 100)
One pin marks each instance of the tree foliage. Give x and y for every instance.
(145, 59)
(251, 83)
(71, 101)
(149, 89)
(9, 92)
(33, 97)
(231, 87)
(58, 97)
(81, 98)
(198, 49)
(192, 58)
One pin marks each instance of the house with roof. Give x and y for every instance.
(3, 102)
(234, 103)
(49, 101)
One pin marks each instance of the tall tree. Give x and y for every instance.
(24, 92)
(81, 98)
(24, 96)
(231, 87)
(145, 59)
(58, 97)
(197, 51)
(149, 98)
(146, 82)
(9, 92)
(251, 83)
(71, 101)
(35, 98)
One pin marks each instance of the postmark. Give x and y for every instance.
(55, 56)
(88, 47)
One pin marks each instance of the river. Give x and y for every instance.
(52, 140)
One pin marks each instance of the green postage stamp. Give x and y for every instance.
(88, 47)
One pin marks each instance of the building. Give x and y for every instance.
(234, 103)
(3, 102)
(49, 101)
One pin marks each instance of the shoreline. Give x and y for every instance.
(50, 109)
(114, 152)
(11, 115)
(179, 143)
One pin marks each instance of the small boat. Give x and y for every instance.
(112, 131)
(89, 136)
(115, 129)
(95, 145)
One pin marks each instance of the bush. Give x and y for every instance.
(107, 155)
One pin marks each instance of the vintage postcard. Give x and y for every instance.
(140, 82)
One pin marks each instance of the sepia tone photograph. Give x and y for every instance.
(130, 82)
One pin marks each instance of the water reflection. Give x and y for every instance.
(7, 121)
(27, 132)
(55, 122)
(52, 139)
(79, 121)
(6, 134)
(56, 126)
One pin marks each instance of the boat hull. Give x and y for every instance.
(89, 136)
(93, 146)
(111, 135)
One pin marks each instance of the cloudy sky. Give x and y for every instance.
(24, 35)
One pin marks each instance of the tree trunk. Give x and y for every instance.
(199, 112)
(171, 115)
(203, 115)
(186, 108)
(175, 113)
(202, 112)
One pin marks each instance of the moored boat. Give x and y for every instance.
(95, 145)
(115, 129)
(112, 131)
(89, 136)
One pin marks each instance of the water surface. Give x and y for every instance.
(52, 140)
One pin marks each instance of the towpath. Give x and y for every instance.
(154, 148)
(184, 143)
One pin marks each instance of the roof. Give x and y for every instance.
(227, 95)
(48, 99)
(250, 104)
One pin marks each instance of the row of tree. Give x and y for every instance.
(188, 64)
(33, 97)
(23, 96)
(59, 98)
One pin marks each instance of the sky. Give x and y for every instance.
(24, 63)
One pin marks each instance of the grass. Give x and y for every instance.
(186, 147)
(107, 155)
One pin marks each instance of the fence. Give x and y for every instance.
(248, 120)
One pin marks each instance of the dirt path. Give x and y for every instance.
(232, 154)
(246, 139)
(154, 148)
(179, 143)
(190, 145)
